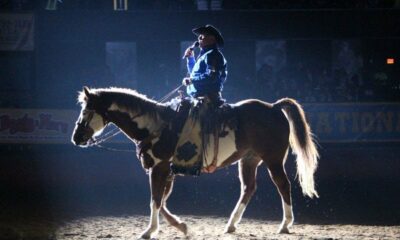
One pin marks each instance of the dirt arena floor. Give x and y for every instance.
(200, 227)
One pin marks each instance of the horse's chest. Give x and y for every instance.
(151, 156)
(159, 149)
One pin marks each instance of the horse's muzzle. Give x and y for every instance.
(80, 140)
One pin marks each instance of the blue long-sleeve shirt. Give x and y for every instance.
(208, 73)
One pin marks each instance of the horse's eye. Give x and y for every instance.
(85, 113)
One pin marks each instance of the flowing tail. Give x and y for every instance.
(302, 143)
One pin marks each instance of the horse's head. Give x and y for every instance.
(91, 120)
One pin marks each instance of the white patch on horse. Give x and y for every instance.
(154, 221)
(236, 215)
(143, 121)
(226, 147)
(288, 212)
(114, 107)
(287, 220)
(150, 152)
(97, 124)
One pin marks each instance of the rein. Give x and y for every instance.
(114, 132)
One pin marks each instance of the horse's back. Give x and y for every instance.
(260, 124)
(263, 113)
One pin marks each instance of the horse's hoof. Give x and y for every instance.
(183, 228)
(230, 229)
(283, 230)
(145, 235)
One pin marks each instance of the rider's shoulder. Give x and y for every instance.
(214, 54)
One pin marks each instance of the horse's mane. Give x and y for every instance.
(113, 90)
(123, 97)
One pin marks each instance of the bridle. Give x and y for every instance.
(85, 123)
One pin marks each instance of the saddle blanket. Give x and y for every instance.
(199, 138)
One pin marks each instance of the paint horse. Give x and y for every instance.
(263, 133)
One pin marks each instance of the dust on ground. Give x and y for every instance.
(200, 228)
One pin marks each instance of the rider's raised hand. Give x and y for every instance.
(186, 81)
(189, 52)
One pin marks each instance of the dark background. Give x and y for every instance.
(358, 182)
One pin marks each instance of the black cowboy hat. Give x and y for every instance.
(211, 30)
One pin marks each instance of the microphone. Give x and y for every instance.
(194, 45)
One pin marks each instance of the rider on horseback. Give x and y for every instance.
(207, 73)
(204, 84)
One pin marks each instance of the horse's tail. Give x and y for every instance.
(302, 143)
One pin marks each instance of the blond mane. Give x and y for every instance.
(82, 98)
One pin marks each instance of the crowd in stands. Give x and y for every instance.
(308, 4)
(325, 86)
(300, 80)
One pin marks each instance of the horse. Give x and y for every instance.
(263, 134)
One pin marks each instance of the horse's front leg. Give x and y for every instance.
(171, 218)
(158, 179)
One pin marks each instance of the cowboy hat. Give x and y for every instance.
(210, 30)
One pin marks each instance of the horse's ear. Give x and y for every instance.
(86, 91)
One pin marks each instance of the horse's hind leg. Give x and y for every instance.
(171, 218)
(281, 181)
(247, 175)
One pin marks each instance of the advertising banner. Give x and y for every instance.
(363, 122)
(36, 125)
(43, 126)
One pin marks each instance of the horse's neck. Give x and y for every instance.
(134, 123)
